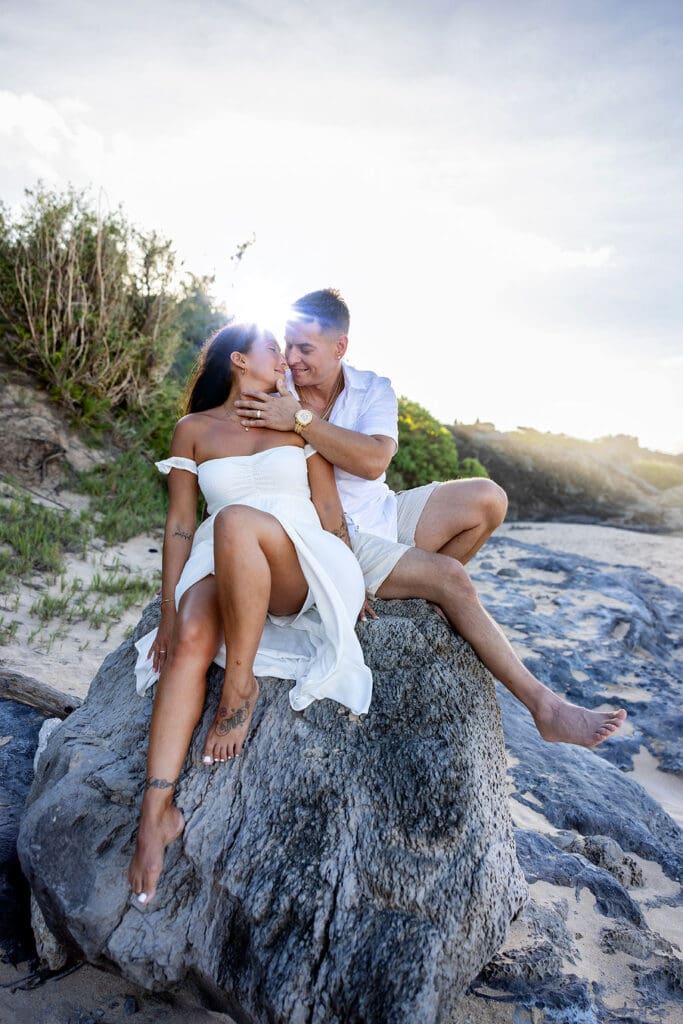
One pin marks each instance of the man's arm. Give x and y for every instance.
(364, 455)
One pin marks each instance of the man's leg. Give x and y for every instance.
(459, 517)
(445, 582)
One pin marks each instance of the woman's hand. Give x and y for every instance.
(367, 611)
(160, 650)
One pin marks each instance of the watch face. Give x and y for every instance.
(304, 417)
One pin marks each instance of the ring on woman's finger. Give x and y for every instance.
(258, 414)
(162, 650)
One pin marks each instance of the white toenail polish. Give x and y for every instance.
(207, 760)
(142, 897)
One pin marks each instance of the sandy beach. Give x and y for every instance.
(660, 554)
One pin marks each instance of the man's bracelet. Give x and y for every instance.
(165, 600)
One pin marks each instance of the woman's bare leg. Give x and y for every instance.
(178, 705)
(257, 571)
(444, 581)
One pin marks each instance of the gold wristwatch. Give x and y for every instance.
(302, 419)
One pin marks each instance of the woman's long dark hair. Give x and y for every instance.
(210, 384)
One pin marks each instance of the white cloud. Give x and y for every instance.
(48, 139)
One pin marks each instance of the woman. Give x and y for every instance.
(270, 570)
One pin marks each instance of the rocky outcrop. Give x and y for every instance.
(341, 870)
(554, 477)
(39, 449)
(597, 943)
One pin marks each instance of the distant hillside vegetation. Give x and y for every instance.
(554, 477)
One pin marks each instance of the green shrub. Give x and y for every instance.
(86, 301)
(150, 429)
(426, 451)
(470, 467)
(198, 318)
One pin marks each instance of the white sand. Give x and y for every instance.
(67, 655)
(662, 555)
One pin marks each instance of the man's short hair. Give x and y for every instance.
(327, 307)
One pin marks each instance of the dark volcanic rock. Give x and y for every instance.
(338, 871)
(579, 790)
(541, 860)
(19, 728)
(594, 632)
(590, 630)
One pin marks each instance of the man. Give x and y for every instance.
(414, 544)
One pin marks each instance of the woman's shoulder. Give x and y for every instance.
(185, 436)
(189, 421)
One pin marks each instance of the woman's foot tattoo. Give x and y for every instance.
(230, 727)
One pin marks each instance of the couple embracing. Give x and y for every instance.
(290, 452)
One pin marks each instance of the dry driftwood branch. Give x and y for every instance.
(25, 689)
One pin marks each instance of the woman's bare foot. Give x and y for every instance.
(558, 721)
(230, 727)
(156, 830)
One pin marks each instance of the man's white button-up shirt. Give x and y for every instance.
(368, 405)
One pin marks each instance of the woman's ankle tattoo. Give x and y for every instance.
(160, 783)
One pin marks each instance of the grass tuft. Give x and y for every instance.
(128, 497)
(8, 630)
(38, 537)
(93, 604)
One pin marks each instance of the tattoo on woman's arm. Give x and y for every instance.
(182, 533)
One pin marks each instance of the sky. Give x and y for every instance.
(496, 188)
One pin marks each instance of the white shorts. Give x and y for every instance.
(377, 555)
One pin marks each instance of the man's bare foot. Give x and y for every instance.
(230, 727)
(155, 832)
(558, 721)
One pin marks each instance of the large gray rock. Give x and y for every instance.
(339, 871)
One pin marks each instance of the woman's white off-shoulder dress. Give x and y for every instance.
(317, 647)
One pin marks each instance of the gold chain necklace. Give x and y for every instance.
(338, 388)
